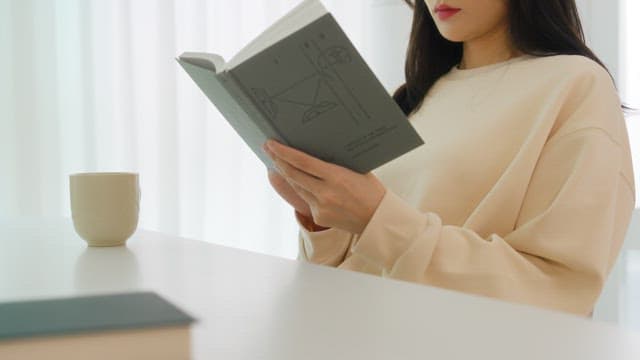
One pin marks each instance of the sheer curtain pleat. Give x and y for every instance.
(92, 85)
(32, 91)
(191, 134)
(8, 124)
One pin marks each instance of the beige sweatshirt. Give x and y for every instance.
(523, 190)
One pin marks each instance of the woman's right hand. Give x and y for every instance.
(285, 190)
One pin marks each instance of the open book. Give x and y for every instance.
(303, 83)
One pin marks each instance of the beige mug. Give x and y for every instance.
(105, 206)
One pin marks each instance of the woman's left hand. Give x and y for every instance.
(338, 197)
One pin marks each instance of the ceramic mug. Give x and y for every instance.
(105, 206)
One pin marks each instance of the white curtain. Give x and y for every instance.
(92, 85)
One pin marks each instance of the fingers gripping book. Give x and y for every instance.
(303, 83)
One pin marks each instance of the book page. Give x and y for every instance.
(303, 14)
(208, 61)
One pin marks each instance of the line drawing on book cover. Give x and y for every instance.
(321, 91)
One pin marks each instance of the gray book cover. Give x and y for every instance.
(243, 117)
(61, 316)
(312, 91)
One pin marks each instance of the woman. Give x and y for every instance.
(524, 188)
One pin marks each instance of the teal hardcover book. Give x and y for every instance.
(97, 326)
(302, 82)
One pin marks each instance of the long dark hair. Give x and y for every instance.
(539, 28)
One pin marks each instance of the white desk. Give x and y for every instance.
(252, 306)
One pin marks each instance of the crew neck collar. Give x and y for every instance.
(457, 73)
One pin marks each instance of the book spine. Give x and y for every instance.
(239, 93)
(232, 107)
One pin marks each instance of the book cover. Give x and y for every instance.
(310, 90)
(58, 316)
(102, 327)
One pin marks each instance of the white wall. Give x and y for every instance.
(601, 23)
(615, 304)
(389, 22)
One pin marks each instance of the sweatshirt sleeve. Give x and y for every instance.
(326, 247)
(570, 226)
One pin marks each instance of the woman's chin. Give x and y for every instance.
(453, 36)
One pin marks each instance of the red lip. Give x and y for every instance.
(445, 11)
